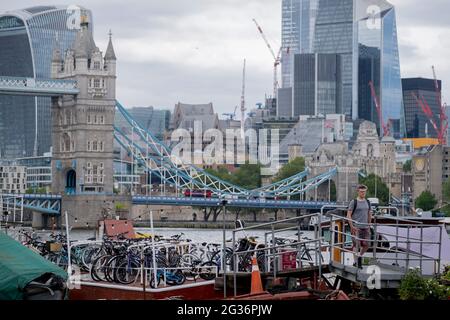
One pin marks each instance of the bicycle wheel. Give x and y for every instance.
(180, 278)
(127, 272)
(110, 267)
(152, 281)
(207, 270)
(98, 268)
(190, 262)
(89, 254)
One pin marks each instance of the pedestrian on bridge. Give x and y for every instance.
(359, 215)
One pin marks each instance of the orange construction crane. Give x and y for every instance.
(443, 119)
(386, 128)
(427, 111)
(442, 127)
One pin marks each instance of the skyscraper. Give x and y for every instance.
(317, 84)
(364, 34)
(416, 122)
(376, 58)
(27, 38)
(297, 31)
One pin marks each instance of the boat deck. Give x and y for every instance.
(389, 276)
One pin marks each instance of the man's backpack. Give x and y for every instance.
(355, 204)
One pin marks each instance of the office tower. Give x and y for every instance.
(27, 38)
(298, 20)
(317, 84)
(416, 122)
(364, 34)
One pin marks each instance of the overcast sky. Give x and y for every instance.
(192, 51)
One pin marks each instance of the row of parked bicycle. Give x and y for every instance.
(177, 259)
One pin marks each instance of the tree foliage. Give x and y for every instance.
(446, 190)
(248, 176)
(376, 188)
(414, 287)
(407, 166)
(36, 191)
(426, 201)
(292, 168)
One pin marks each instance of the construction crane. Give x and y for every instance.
(427, 111)
(231, 116)
(441, 127)
(277, 59)
(386, 131)
(443, 119)
(243, 104)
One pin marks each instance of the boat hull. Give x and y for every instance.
(98, 291)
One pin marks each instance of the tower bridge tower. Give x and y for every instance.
(82, 128)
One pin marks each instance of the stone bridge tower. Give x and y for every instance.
(82, 129)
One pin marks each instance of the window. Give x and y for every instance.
(96, 65)
(94, 145)
(95, 119)
(89, 118)
(101, 145)
(96, 83)
(89, 146)
(102, 119)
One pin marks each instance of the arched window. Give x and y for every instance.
(94, 145)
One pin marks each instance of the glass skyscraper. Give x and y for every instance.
(317, 84)
(27, 40)
(376, 59)
(298, 21)
(364, 34)
(416, 122)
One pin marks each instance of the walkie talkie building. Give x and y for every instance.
(27, 39)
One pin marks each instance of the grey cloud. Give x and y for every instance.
(163, 85)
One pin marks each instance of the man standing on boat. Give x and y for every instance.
(359, 215)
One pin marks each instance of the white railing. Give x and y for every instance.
(38, 84)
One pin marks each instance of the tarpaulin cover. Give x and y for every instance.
(19, 266)
(434, 235)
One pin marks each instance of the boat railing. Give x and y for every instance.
(272, 249)
(400, 243)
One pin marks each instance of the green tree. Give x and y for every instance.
(407, 166)
(221, 173)
(376, 188)
(292, 168)
(248, 176)
(36, 190)
(446, 197)
(426, 201)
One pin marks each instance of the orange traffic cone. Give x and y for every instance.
(257, 286)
